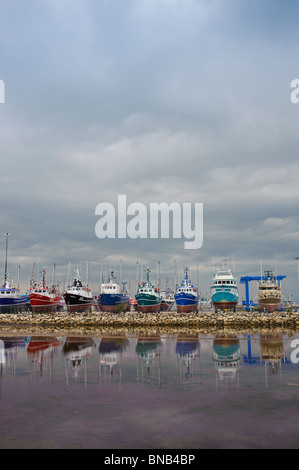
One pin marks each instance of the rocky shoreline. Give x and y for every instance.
(205, 320)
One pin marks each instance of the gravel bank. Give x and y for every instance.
(202, 320)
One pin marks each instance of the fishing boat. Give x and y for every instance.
(269, 294)
(42, 297)
(78, 298)
(148, 297)
(133, 304)
(167, 300)
(224, 290)
(112, 297)
(10, 299)
(186, 295)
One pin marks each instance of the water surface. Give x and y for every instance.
(148, 391)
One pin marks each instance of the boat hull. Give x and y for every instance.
(269, 306)
(186, 302)
(77, 303)
(13, 305)
(225, 305)
(114, 303)
(43, 304)
(223, 300)
(148, 303)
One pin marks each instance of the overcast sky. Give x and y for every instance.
(159, 100)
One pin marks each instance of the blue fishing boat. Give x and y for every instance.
(186, 295)
(112, 297)
(10, 299)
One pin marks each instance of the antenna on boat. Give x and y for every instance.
(137, 275)
(159, 280)
(53, 276)
(68, 274)
(87, 273)
(233, 257)
(5, 269)
(197, 274)
(18, 278)
(32, 282)
(120, 270)
(101, 271)
(261, 268)
(174, 288)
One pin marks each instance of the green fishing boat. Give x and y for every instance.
(148, 297)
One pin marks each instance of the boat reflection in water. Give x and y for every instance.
(9, 347)
(77, 350)
(148, 353)
(187, 352)
(152, 357)
(272, 353)
(40, 352)
(149, 389)
(110, 351)
(226, 356)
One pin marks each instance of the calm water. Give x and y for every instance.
(150, 392)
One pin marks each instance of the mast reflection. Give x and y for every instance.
(187, 352)
(272, 352)
(148, 363)
(77, 350)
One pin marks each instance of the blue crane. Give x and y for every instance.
(246, 279)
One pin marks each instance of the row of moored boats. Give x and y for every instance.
(114, 297)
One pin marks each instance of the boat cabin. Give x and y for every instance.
(110, 289)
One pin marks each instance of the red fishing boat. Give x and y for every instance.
(42, 297)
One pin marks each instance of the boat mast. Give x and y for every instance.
(137, 275)
(147, 275)
(32, 282)
(44, 278)
(5, 269)
(68, 274)
(159, 278)
(18, 278)
(197, 275)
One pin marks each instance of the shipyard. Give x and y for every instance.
(149, 256)
(114, 297)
